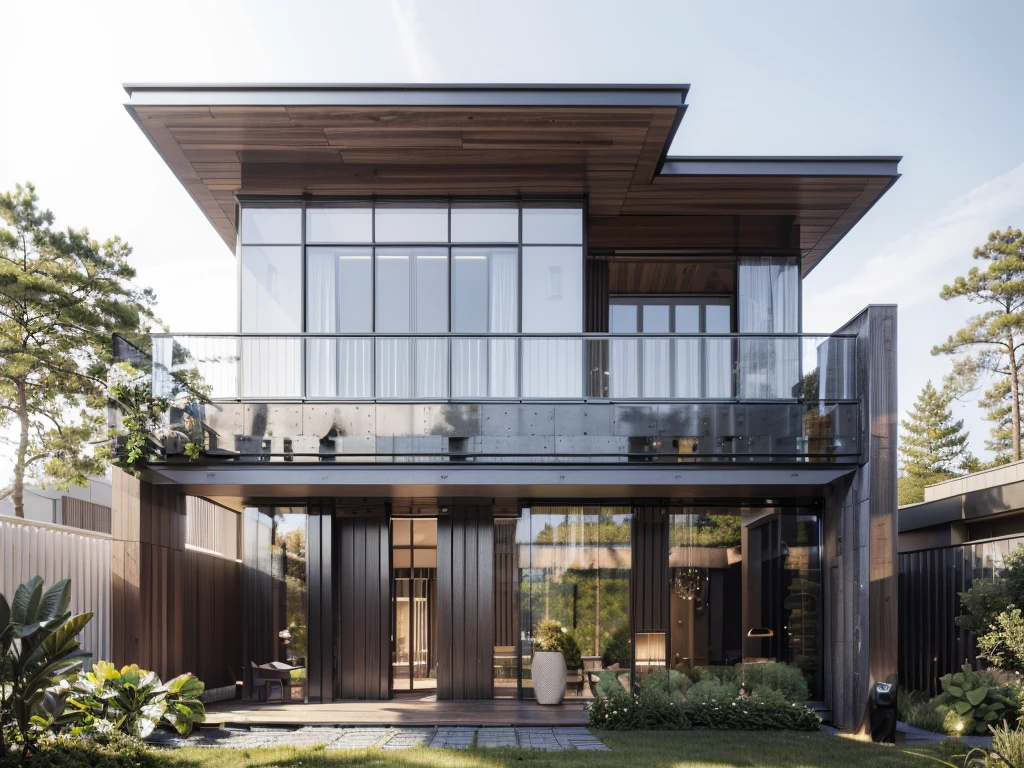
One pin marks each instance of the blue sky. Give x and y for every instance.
(937, 82)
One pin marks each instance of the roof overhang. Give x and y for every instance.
(607, 142)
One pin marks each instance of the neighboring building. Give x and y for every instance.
(503, 360)
(960, 533)
(85, 506)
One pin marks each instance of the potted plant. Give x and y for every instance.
(552, 644)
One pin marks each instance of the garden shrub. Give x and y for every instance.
(972, 700)
(1008, 745)
(752, 714)
(914, 708)
(775, 676)
(1003, 644)
(671, 681)
(646, 711)
(711, 689)
(114, 750)
(552, 636)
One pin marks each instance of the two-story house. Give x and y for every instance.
(501, 359)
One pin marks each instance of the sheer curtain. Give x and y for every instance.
(504, 318)
(768, 302)
(321, 317)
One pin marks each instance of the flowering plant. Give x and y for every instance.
(145, 425)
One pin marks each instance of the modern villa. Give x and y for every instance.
(500, 360)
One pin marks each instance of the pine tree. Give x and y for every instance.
(62, 296)
(933, 446)
(990, 346)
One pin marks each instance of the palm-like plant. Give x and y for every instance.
(38, 653)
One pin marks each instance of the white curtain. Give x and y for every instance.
(504, 318)
(321, 317)
(623, 379)
(768, 302)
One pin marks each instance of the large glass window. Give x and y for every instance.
(768, 301)
(271, 226)
(288, 564)
(574, 569)
(745, 589)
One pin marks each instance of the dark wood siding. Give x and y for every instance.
(465, 583)
(362, 569)
(597, 296)
(649, 599)
(506, 583)
(320, 603)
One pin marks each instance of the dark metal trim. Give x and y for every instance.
(782, 166)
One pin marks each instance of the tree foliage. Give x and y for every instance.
(933, 446)
(988, 598)
(62, 296)
(988, 349)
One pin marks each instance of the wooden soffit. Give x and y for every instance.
(606, 142)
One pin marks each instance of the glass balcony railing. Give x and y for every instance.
(466, 367)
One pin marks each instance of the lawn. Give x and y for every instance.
(693, 749)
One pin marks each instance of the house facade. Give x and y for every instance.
(502, 360)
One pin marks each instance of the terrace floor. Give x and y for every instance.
(398, 712)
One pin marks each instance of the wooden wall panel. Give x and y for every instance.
(78, 513)
(362, 602)
(649, 597)
(506, 583)
(465, 611)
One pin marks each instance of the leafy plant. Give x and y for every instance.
(751, 714)
(134, 701)
(775, 676)
(552, 636)
(712, 690)
(971, 701)
(1003, 644)
(1008, 745)
(647, 710)
(607, 684)
(669, 681)
(38, 653)
(114, 750)
(914, 708)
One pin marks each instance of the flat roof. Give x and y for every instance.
(608, 142)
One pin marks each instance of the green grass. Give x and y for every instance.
(693, 749)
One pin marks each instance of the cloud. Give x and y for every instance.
(412, 39)
(913, 269)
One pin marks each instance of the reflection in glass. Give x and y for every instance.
(411, 225)
(574, 568)
(288, 568)
(271, 289)
(745, 587)
(553, 226)
(272, 226)
(552, 290)
(414, 560)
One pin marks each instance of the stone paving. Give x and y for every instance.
(443, 737)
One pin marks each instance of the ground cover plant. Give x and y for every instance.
(971, 701)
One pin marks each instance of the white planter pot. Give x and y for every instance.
(548, 673)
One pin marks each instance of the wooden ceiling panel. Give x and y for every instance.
(612, 154)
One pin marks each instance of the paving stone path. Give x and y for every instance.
(443, 737)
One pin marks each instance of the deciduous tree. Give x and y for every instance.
(989, 347)
(62, 296)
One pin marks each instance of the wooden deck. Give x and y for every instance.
(403, 711)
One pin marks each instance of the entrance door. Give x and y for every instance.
(414, 564)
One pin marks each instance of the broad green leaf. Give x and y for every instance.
(962, 707)
(955, 690)
(23, 607)
(977, 695)
(5, 612)
(56, 599)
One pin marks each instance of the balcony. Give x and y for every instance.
(510, 367)
(517, 398)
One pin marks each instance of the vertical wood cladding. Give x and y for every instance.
(173, 610)
(362, 598)
(506, 583)
(649, 596)
(320, 602)
(78, 513)
(465, 611)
